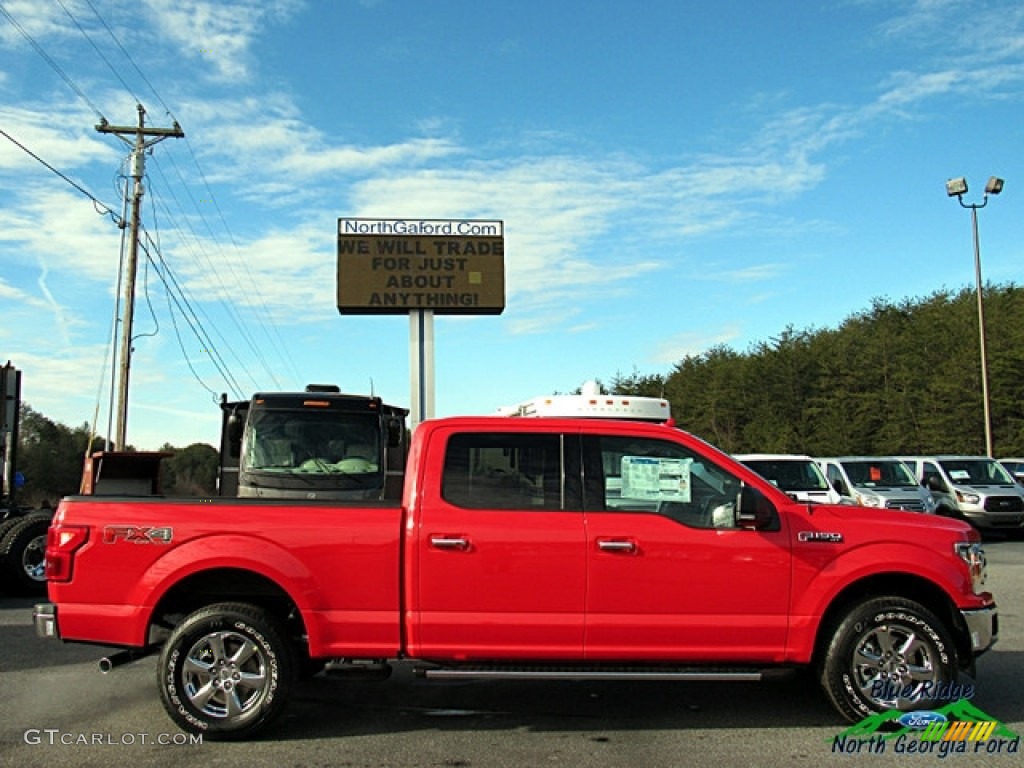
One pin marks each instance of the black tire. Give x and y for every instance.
(226, 671)
(23, 555)
(882, 654)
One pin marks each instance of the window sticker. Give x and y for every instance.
(650, 478)
(960, 475)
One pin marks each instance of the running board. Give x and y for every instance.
(597, 673)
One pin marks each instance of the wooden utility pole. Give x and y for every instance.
(138, 170)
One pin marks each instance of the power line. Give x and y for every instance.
(130, 59)
(189, 318)
(242, 329)
(220, 288)
(97, 204)
(95, 48)
(204, 338)
(281, 350)
(53, 64)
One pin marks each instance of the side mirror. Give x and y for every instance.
(755, 511)
(235, 427)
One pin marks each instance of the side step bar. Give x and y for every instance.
(597, 673)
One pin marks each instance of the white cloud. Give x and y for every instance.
(63, 231)
(222, 34)
(64, 148)
(674, 349)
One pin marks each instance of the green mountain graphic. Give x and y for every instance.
(961, 710)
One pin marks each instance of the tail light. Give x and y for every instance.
(62, 541)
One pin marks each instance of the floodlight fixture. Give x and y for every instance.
(994, 186)
(957, 187)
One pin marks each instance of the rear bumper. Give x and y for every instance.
(44, 618)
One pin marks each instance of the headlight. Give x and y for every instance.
(870, 501)
(969, 498)
(929, 503)
(972, 553)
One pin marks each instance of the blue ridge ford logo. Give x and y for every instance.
(921, 720)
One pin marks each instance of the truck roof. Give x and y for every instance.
(592, 404)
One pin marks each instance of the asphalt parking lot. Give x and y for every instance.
(57, 710)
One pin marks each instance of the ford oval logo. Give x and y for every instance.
(920, 720)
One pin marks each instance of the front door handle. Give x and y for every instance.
(459, 543)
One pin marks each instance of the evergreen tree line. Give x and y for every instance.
(897, 378)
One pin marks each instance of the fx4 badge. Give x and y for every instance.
(137, 534)
(835, 538)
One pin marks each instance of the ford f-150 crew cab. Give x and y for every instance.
(523, 547)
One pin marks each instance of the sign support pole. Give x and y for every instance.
(421, 365)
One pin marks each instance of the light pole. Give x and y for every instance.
(958, 188)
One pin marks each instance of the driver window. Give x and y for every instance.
(624, 474)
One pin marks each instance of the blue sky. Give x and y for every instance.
(671, 175)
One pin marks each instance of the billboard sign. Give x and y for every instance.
(394, 266)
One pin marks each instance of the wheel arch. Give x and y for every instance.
(223, 585)
(904, 585)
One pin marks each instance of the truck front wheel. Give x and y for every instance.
(226, 671)
(887, 653)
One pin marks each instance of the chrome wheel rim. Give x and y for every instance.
(225, 675)
(894, 667)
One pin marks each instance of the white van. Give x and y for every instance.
(976, 488)
(797, 475)
(885, 482)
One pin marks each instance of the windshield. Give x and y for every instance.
(790, 474)
(879, 474)
(976, 472)
(307, 442)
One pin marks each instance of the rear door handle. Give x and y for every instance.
(459, 543)
(617, 545)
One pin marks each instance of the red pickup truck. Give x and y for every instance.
(522, 547)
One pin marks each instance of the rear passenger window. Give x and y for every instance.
(507, 471)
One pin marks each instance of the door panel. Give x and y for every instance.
(670, 576)
(500, 554)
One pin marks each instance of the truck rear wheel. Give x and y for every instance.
(23, 554)
(226, 671)
(889, 653)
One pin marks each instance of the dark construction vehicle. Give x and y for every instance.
(22, 529)
(317, 444)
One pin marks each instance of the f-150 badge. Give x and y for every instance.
(835, 538)
(137, 534)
